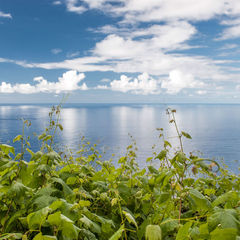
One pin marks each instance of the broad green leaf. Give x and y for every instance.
(226, 197)
(117, 235)
(199, 201)
(36, 219)
(17, 189)
(224, 234)
(203, 229)
(7, 149)
(169, 225)
(225, 218)
(183, 232)
(55, 219)
(70, 231)
(39, 236)
(153, 232)
(56, 205)
(94, 227)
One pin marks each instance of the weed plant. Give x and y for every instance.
(80, 196)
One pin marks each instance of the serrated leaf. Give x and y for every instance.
(37, 218)
(94, 227)
(130, 218)
(153, 232)
(117, 235)
(183, 232)
(17, 189)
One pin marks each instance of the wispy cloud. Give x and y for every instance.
(5, 15)
(57, 3)
(56, 50)
(73, 54)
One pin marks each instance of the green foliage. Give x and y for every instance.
(69, 196)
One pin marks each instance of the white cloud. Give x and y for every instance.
(68, 82)
(57, 3)
(143, 84)
(56, 51)
(75, 6)
(105, 80)
(159, 10)
(166, 37)
(5, 15)
(201, 92)
(134, 49)
(134, 11)
(179, 80)
(231, 32)
(6, 88)
(73, 54)
(228, 46)
(102, 87)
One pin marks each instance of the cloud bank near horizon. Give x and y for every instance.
(152, 40)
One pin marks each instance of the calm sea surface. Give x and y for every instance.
(215, 129)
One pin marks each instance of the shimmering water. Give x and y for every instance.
(215, 129)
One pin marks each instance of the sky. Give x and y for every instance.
(120, 51)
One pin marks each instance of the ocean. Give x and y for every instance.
(215, 128)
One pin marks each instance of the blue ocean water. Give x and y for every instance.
(215, 128)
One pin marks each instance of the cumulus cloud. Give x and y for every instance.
(156, 49)
(142, 84)
(68, 82)
(155, 38)
(5, 15)
(179, 80)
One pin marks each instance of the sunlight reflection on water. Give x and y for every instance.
(215, 129)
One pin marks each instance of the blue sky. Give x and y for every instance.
(115, 51)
